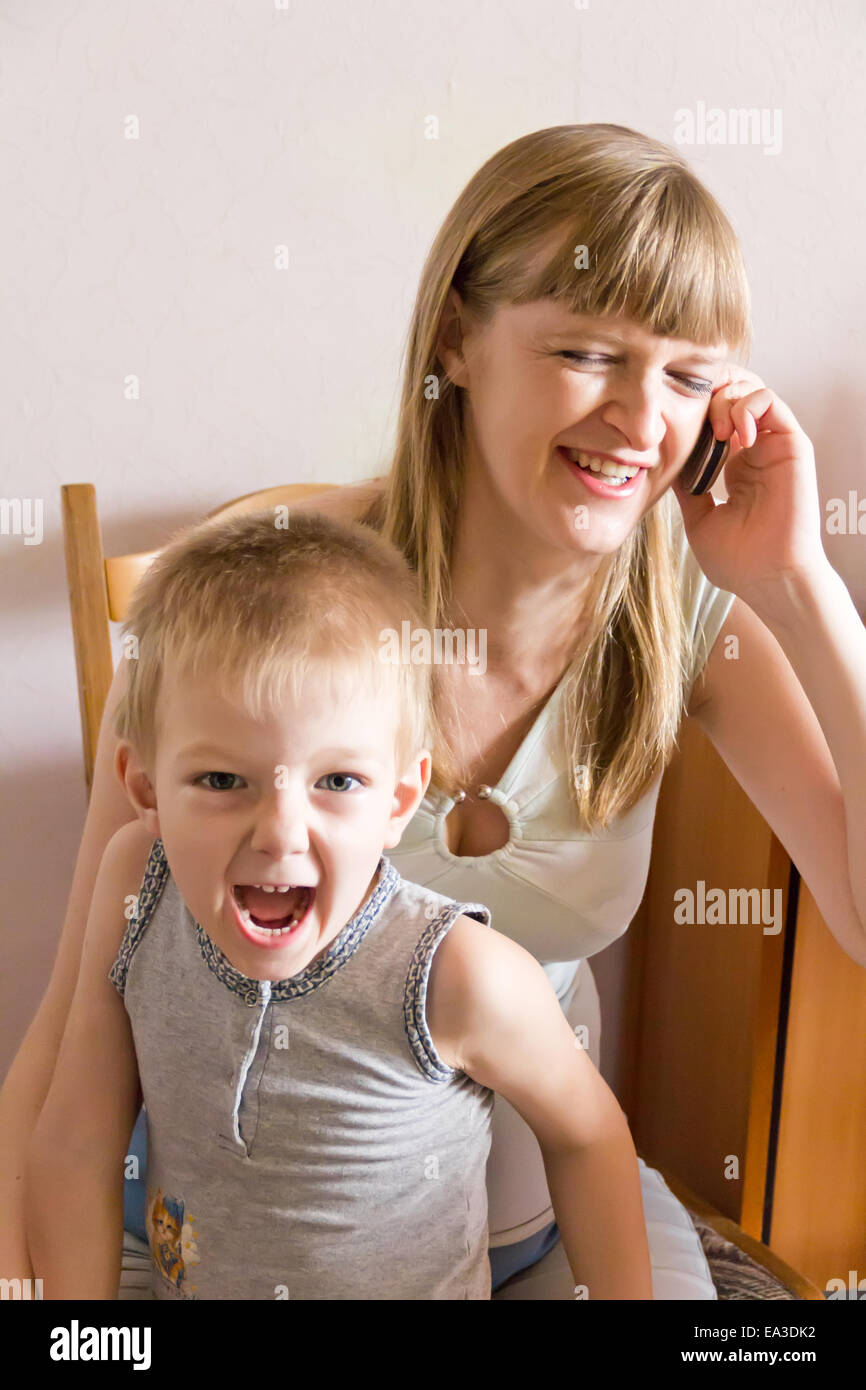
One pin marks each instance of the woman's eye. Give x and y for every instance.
(229, 775)
(584, 356)
(341, 778)
(696, 385)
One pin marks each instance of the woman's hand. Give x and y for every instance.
(770, 525)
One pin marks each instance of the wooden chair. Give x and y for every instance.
(100, 589)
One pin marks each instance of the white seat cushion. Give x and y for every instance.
(679, 1265)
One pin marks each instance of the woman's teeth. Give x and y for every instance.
(620, 472)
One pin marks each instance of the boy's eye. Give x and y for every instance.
(697, 385)
(230, 775)
(340, 778)
(218, 781)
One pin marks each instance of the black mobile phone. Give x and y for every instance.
(705, 462)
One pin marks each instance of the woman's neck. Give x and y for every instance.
(528, 596)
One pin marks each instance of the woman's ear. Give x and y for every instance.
(449, 343)
(136, 782)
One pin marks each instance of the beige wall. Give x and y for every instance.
(262, 126)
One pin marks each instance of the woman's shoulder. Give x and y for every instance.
(345, 502)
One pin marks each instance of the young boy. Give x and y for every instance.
(316, 1040)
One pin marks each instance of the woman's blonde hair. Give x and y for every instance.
(661, 251)
(261, 603)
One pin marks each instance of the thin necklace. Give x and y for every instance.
(482, 790)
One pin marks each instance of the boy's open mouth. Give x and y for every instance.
(273, 910)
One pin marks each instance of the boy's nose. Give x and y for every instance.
(281, 826)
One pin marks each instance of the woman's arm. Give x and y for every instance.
(786, 705)
(74, 1174)
(787, 713)
(29, 1077)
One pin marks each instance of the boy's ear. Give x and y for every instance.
(134, 779)
(408, 793)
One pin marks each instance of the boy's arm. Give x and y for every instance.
(498, 1009)
(74, 1176)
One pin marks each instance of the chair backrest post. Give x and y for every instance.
(88, 599)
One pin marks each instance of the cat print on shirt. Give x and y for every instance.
(171, 1236)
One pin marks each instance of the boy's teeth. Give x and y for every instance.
(598, 465)
(273, 919)
(268, 931)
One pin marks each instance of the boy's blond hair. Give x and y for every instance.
(260, 607)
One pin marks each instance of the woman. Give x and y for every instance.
(584, 297)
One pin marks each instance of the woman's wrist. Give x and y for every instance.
(792, 600)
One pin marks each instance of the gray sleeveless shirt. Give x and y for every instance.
(305, 1139)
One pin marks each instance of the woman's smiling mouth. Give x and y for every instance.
(602, 477)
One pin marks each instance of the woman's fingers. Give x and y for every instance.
(739, 406)
(745, 413)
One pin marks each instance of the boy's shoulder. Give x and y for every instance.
(124, 861)
(118, 881)
(127, 852)
(468, 941)
(476, 974)
(470, 950)
(117, 895)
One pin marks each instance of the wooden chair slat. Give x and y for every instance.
(88, 599)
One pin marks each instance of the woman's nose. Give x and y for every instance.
(636, 413)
